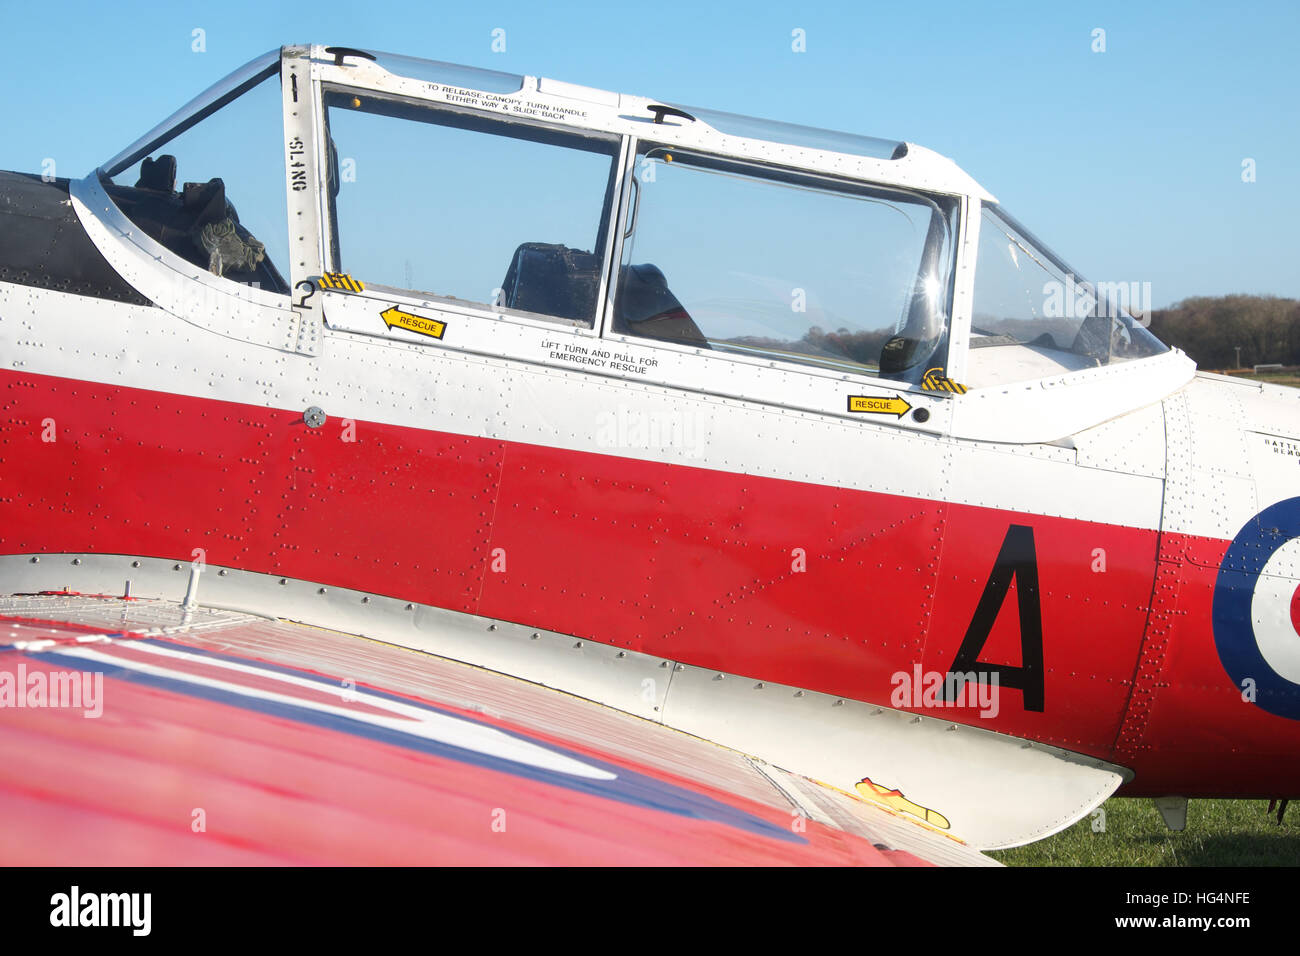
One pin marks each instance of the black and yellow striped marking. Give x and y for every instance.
(936, 381)
(341, 281)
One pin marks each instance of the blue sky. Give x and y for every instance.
(1128, 162)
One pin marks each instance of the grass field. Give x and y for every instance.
(1219, 833)
(1279, 378)
(1285, 377)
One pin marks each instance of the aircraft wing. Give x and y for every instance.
(138, 732)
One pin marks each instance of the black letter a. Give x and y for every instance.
(1016, 561)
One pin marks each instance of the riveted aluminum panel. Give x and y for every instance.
(994, 790)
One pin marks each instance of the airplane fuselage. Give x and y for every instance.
(1110, 578)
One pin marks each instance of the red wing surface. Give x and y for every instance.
(130, 737)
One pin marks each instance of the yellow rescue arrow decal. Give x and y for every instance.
(396, 318)
(879, 405)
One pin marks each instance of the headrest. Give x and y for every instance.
(158, 174)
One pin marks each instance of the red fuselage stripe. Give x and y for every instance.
(831, 589)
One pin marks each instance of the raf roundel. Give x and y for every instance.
(1255, 614)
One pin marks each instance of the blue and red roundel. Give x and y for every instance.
(1237, 634)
